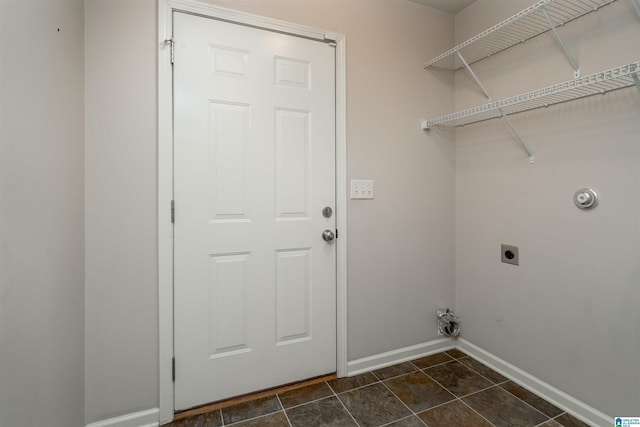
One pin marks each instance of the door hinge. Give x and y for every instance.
(171, 44)
(173, 211)
(336, 233)
(173, 369)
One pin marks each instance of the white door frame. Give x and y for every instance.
(165, 178)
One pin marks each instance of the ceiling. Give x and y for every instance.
(451, 6)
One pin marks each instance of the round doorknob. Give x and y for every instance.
(328, 236)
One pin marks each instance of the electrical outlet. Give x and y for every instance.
(361, 189)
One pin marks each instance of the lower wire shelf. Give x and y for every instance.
(597, 83)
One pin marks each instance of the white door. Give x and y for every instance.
(254, 167)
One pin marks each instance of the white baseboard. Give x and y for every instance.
(400, 355)
(562, 400)
(557, 397)
(148, 418)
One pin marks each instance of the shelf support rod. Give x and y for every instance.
(574, 64)
(517, 135)
(504, 116)
(636, 80)
(637, 5)
(474, 76)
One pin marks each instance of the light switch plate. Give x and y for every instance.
(361, 189)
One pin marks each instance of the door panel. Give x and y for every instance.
(293, 283)
(254, 165)
(229, 125)
(292, 164)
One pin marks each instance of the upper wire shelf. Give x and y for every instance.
(519, 28)
(598, 83)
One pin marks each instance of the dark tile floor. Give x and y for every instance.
(446, 389)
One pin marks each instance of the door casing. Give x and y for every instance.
(165, 178)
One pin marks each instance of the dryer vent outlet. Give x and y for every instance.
(448, 324)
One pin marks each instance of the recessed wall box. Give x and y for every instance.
(509, 254)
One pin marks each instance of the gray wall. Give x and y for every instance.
(41, 213)
(578, 267)
(569, 313)
(400, 244)
(121, 325)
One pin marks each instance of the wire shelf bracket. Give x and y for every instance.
(563, 45)
(506, 119)
(473, 76)
(502, 114)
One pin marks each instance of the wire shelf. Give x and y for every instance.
(598, 83)
(519, 28)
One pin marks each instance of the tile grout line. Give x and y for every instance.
(500, 384)
(256, 417)
(396, 376)
(479, 414)
(404, 418)
(492, 383)
(439, 405)
(406, 406)
(516, 397)
(286, 416)
(378, 380)
(356, 388)
(460, 398)
(531, 406)
(305, 403)
(555, 419)
(251, 419)
(558, 416)
(476, 372)
(433, 366)
(342, 403)
(445, 388)
(477, 391)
